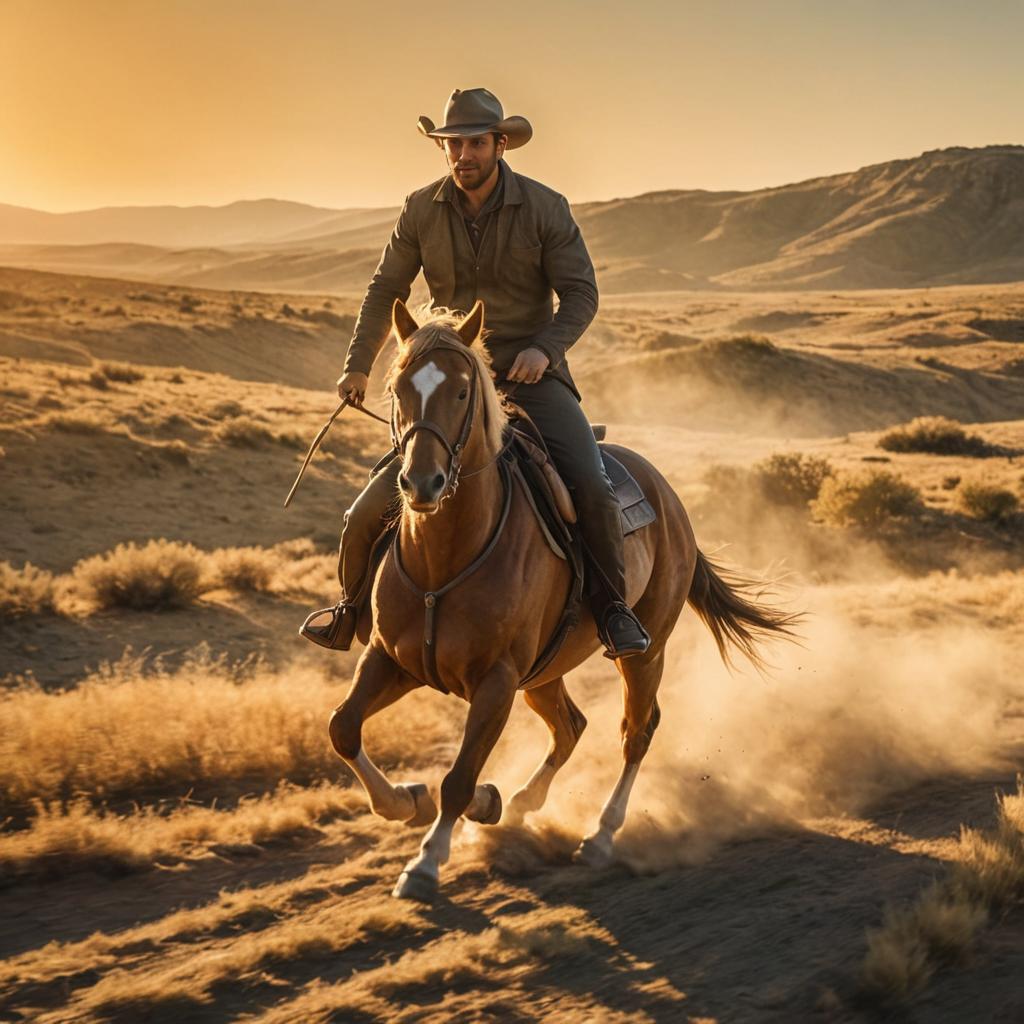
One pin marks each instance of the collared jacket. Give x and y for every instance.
(536, 251)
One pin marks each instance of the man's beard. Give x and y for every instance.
(477, 176)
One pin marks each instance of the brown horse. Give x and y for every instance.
(464, 524)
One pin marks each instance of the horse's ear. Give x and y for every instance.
(470, 328)
(402, 320)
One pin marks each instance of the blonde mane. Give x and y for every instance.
(440, 326)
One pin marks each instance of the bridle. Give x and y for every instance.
(455, 451)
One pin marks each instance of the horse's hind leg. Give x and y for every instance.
(378, 683)
(566, 722)
(641, 676)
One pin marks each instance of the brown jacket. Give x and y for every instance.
(537, 248)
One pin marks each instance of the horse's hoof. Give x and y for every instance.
(485, 808)
(595, 851)
(416, 884)
(426, 809)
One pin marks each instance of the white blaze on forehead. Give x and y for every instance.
(426, 380)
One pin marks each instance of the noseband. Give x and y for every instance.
(455, 450)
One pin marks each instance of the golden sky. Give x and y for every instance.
(122, 102)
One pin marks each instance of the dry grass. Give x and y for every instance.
(941, 925)
(243, 432)
(159, 575)
(122, 373)
(865, 500)
(127, 730)
(60, 840)
(163, 574)
(244, 569)
(25, 591)
(786, 480)
(935, 435)
(987, 502)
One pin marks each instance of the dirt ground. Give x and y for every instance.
(775, 820)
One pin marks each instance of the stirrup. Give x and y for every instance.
(336, 626)
(635, 644)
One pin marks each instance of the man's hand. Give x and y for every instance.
(353, 387)
(529, 366)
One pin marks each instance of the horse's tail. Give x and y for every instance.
(729, 605)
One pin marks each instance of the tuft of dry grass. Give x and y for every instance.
(25, 591)
(122, 373)
(865, 500)
(941, 925)
(987, 502)
(244, 568)
(61, 839)
(243, 432)
(935, 435)
(788, 480)
(159, 575)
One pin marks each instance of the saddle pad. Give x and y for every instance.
(635, 510)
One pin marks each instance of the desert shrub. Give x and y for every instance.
(227, 410)
(936, 435)
(788, 480)
(121, 372)
(161, 574)
(987, 502)
(866, 500)
(242, 569)
(76, 423)
(791, 478)
(950, 483)
(25, 591)
(98, 380)
(986, 874)
(243, 432)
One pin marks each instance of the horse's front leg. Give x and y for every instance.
(489, 709)
(378, 682)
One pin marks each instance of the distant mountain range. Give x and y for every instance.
(951, 216)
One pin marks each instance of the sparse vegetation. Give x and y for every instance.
(987, 502)
(244, 568)
(99, 380)
(159, 575)
(25, 591)
(244, 432)
(868, 501)
(935, 435)
(786, 480)
(123, 373)
(941, 925)
(132, 729)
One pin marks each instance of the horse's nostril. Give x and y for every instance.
(438, 481)
(403, 481)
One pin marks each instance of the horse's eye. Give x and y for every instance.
(463, 393)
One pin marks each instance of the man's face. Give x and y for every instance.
(472, 159)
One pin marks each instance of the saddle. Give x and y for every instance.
(556, 514)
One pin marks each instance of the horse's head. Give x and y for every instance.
(444, 404)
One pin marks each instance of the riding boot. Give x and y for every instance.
(620, 630)
(364, 523)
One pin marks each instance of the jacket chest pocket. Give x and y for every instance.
(525, 260)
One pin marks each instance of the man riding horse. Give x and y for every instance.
(485, 232)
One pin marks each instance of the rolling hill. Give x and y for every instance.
(951, 216)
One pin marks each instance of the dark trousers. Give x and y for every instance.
(570, 440)
(567, 432)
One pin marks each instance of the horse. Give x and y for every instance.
(469, 592)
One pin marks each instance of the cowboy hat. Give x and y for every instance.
(475, 112)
